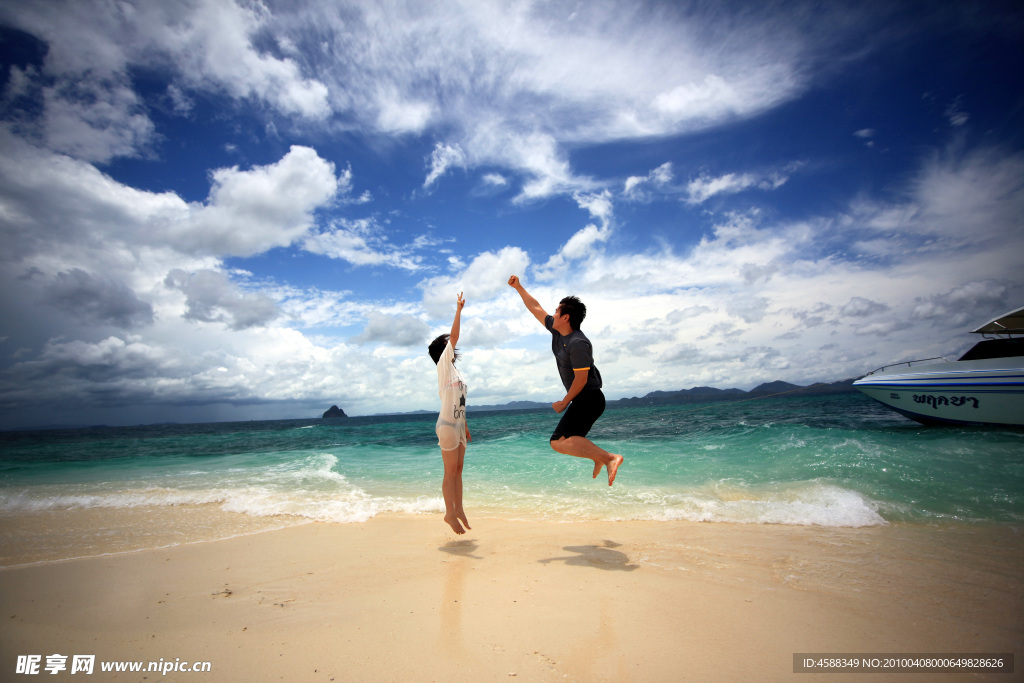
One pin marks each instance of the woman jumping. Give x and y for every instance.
(452, 431)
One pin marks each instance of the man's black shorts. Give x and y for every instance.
(581, 414)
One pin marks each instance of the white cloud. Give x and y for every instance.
(960, 305)
(396, 330)
(701, 189)
(955, 114)
(524, 82)
(881, 329)
(665, 320)
(485, 277)
(583, 242)
(598, 205)
(539, 157)
(91, 113)
(95, 120)
(361, 242)
(522, 85)
(85, 253)
(969, 198)
(866, 134)
(212, 45)
(754, 296)
(211, 297)
(659, 177)
(58, 202)
(399, 116)
(112, 358)
(859, 307)
(249, 212)
(443, 157)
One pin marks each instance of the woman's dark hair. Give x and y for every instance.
(436, 348)
(575, 309)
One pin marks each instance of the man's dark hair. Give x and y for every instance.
(575, 309)
(436, 348)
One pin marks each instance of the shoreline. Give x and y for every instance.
(47, 536)
(400, 597)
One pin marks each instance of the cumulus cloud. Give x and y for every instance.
(679, 315)
(98, 299)
(387, 69)
(89, 110)
(963, 304)
(248, 212)
(859, 307)
(95, 120)
(110, 371)
(756, 293)
(581, 243)
(486, 276)
(881, 329)
(584, 79)
(361, 242)
(749, 309)
(212, 297)
(396, 330)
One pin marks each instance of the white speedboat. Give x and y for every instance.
(985, 386)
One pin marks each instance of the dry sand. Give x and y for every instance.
(401, 599)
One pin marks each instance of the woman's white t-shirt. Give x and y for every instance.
(451, 420)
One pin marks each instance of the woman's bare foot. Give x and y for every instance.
(453, 522)
(462, 518)
(597, 468)
(613, 468)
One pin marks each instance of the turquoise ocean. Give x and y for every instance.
(829, 461)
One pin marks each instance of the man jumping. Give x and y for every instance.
(584, 400)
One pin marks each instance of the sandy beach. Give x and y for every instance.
(401, 599)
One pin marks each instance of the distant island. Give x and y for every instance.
(699, 395)
(334, 411)
(681, 396)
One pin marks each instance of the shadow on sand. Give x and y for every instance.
(464, 548)
(597, 556)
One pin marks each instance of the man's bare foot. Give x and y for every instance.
(613, 468)
(453, 522)
(597, 468)
(465, 522)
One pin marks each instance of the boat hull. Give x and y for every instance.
(986, 392)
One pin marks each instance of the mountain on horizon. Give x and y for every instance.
(698, 395)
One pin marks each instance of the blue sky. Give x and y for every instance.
(218, 210)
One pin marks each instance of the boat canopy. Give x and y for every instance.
(1007, 323)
